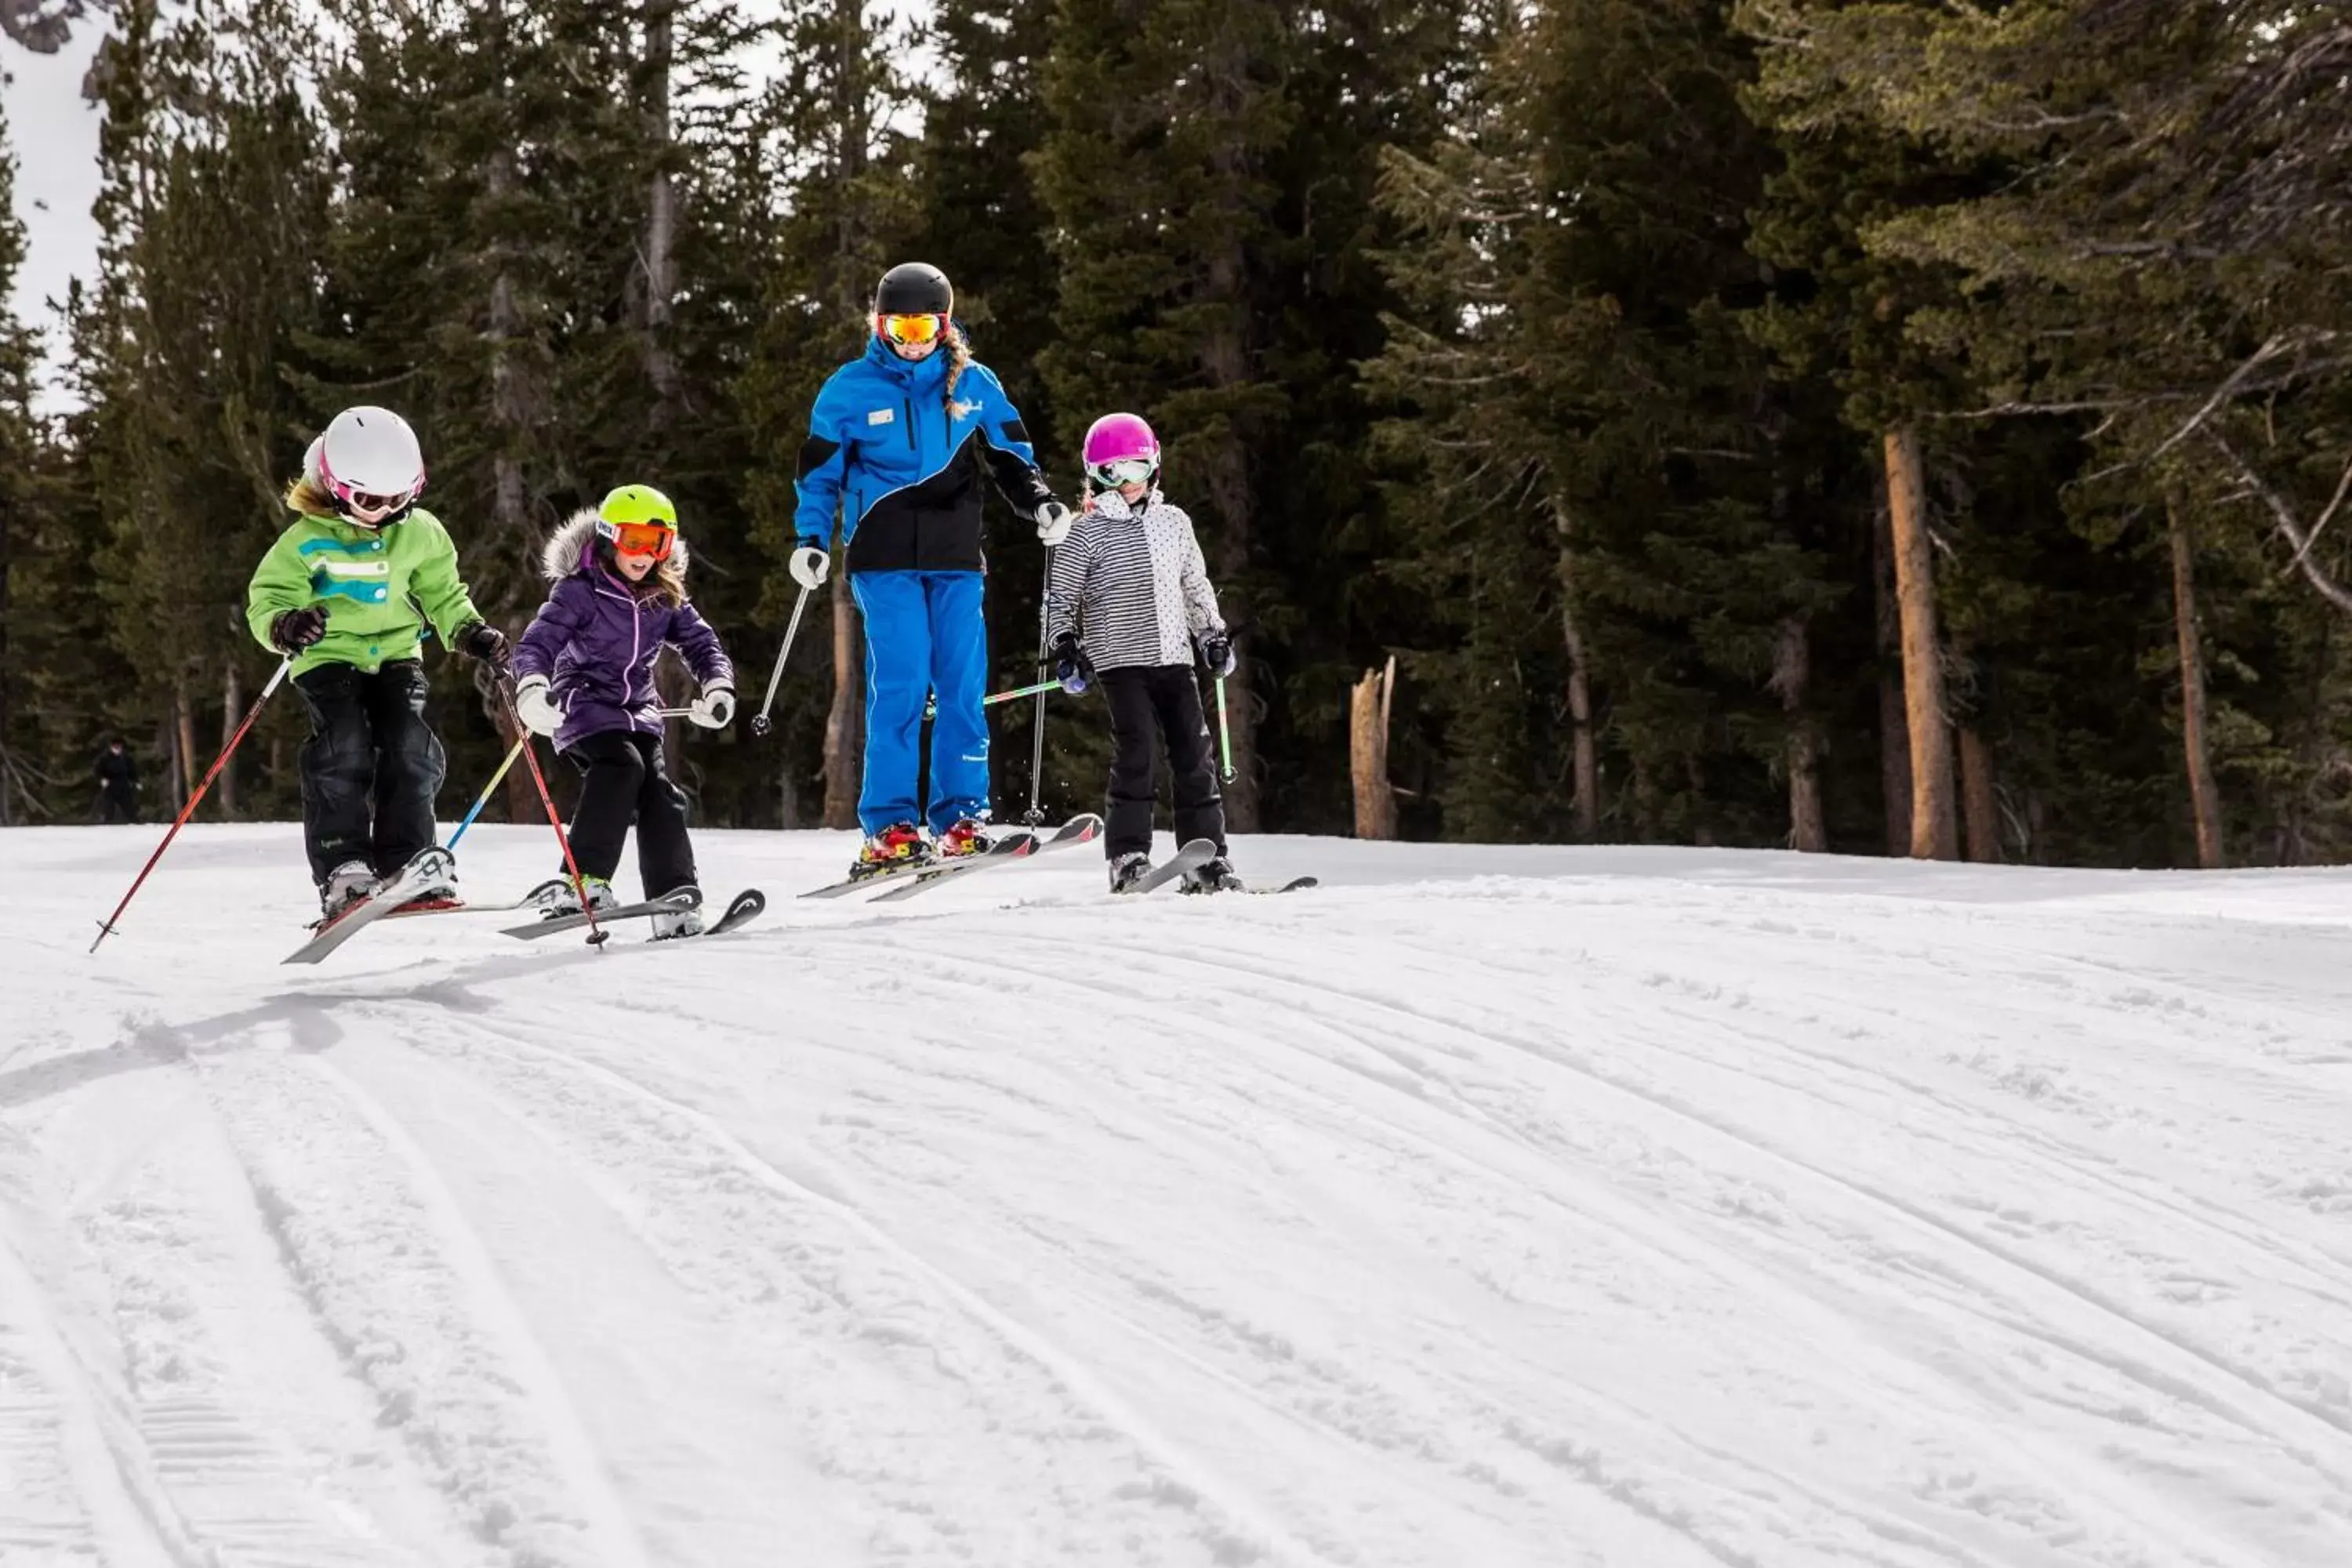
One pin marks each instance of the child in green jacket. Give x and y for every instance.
(350, 591)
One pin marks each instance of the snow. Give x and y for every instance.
(1646, 1208)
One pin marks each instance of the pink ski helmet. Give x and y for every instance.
(1121, 449)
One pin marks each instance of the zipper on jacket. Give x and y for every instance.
(909, 404)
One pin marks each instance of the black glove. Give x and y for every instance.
(295, 630)
(1072, 668)
(480, 640)
(1217, 653)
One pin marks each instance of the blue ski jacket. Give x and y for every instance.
(898, 458)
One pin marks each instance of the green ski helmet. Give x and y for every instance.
(638, 519)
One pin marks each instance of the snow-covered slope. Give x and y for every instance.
(1479, 1209)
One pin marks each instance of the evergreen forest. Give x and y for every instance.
(1879, 426)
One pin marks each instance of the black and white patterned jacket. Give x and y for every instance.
(1132, 580)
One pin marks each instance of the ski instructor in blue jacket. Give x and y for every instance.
(895, 444)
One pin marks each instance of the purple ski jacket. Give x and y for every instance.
(596, 638)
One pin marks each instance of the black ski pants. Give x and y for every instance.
(623, 776)
(1149, 703)
(371, 769)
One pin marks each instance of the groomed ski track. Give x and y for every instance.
(1478, 1209)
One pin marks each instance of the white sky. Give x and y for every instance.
(54, 137)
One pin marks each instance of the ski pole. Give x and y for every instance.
(776, 675)
(1018, 692)
(1035, 815)
(1224, 737)
(483, 799)
(106, 926)
(597, 935)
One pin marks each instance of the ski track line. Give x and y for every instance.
(482, 1464)
(237, 1475)
(614, 1532)
(1368, 1400)
(1078, 1381)
(2133, 1370)
(1636, 1229)
(58, 1416)
(2307, 1449)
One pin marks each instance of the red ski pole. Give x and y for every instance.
(106, 926)
(596, 934)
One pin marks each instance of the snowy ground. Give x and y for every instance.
(1652, 1209)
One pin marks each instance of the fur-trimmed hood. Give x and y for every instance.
(568, 549)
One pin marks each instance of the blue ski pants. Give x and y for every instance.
(925, 633)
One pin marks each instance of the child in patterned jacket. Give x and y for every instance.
(1130, 576)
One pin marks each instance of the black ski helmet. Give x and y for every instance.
(913, 288)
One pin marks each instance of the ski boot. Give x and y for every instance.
(1126, 870)
(899, 845)
(1214, 875)
(966, 837)
(554, 901)
(346, 885)
(437, 893)
(671, 925)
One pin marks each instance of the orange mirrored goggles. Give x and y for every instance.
(638, 538)
(910, 330)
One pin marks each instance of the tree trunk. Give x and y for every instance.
(2204, 794)
(1585, 751)
(1229, 197)
(1979, 804)
(510, 408)
(232, 698)
(661, 207)
(183, 725)
(1368, 753)
(845, 722)
(1791, 677)
(1893, 732)
(1935, 827)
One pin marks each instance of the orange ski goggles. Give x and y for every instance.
(911, 331)
(638, 538)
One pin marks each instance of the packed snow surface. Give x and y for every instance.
(1479, 1208)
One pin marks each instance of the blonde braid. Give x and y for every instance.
(959, 360)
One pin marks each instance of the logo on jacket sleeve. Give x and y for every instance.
(883, 416)
(960, 410)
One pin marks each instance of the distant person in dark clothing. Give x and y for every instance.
(118, 784)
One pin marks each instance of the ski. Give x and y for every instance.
(890, 873)
(1199, 852)
(426, 868)
(741, 911)
(1069, 835)
(551, 886)
(682, 898)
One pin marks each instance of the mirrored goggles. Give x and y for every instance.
(365, 505)
(638, 538)
(1124, 471)
(911, 331)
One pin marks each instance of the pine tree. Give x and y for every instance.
(20, 449)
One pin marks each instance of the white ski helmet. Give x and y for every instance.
(368, 461)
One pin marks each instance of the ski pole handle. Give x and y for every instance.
(483, 799)
(1224, 737)
(106, 926)
(760, 725)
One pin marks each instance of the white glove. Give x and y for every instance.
(810, 564)
(536, 707)
(714, 708)
(1053, 523)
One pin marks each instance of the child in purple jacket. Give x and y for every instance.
(585, 674)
